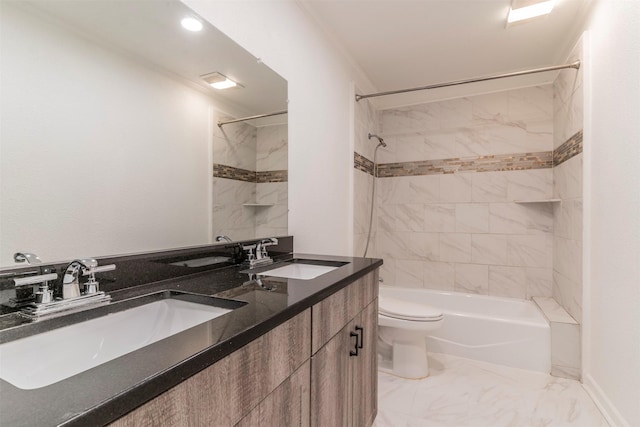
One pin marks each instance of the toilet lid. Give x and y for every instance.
(407, 310)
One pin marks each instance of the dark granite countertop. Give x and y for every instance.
(104, 393)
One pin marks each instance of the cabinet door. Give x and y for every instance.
(330, 380)
(365, 368)
(287, 405)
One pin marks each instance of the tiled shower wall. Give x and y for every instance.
(250, 167)
(567, 248)
(272, 188)
(453, 171)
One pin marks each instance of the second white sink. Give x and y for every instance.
(298, 271)
(49, 357)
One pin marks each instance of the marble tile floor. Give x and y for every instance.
(467, 393)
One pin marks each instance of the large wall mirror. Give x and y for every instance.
(109, 142)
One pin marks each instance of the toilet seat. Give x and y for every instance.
(407, 310)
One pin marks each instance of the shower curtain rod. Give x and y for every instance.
(575, 65)
(244, 119)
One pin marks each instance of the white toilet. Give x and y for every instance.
(402, 332)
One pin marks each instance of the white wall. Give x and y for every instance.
(612, 211)
(320, 114)
(87, 169)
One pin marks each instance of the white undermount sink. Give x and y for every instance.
(46, 358)
(298, 271)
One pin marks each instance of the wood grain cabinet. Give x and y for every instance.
(344, 367)
(303, 372)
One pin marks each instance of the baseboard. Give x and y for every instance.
(609, 411)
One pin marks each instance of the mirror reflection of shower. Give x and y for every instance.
(381, 143)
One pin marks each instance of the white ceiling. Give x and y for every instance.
(400, 44)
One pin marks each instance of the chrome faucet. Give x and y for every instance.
(71, 278)
(223, 238)
(82, 267)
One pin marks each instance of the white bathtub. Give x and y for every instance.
(499, 330)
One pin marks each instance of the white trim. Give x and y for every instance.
(608, 410)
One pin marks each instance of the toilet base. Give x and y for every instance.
(408, 354)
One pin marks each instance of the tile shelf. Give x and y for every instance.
(538, 201)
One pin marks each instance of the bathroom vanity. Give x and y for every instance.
(290, 352)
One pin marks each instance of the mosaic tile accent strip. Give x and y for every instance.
(362, 163)
(262, 177)
(570, 148)
(229, 172)
(494, 163)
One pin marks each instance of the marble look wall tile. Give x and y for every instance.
(272, 192)
(408, 246)
(568, 294)
(440, 145)
(410, 119)
(410, 217)
(410, 189)
(568, 119)
(490, 108)
(455, 188)
(402, 148)
(472, 218)
(539, 282)
(514, 218)
(440, 218)
(530, 184)
(507, 218)
(508, 281)
(272, 148)
(409, 274)
(233, 192)
(439, 275)
(530, 251)
(489, 249)
(455, 113)
(568, 258)
(271, 216)
(531, 103)
(568, 178)
(472, 278)
(489, 187)
(455, 247)
(236, 147)
(232, 217)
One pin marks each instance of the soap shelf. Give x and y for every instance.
(538, 201)
(258, 205)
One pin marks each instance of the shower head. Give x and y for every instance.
(384, 144)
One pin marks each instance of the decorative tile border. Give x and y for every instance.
(495, 163)
(229, 172)
(261, 177)
(362, 163)
(271, 176)
(570, 148)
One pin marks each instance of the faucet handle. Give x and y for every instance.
(92, 285)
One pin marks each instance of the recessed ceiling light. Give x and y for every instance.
(191, 24)
(219, 81)
(531, 11)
